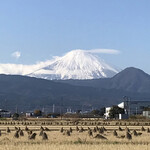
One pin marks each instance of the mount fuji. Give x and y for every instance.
(76, 64)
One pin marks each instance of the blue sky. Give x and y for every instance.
(40, 29)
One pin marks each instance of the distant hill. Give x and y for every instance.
(29, 93)
(131, 79)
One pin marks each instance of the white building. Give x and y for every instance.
(130, 107)
(146, 114)
(107, 111)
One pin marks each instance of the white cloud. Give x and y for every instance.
(16, 54)
(104, 51)
(21, 69)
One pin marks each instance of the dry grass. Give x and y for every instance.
(74, 147)
(77, 141)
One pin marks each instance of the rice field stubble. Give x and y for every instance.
(77, 140)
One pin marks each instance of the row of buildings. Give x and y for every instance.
(131, 108)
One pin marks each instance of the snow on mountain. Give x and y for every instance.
(76, 64)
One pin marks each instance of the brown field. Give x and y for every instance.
(77, 140)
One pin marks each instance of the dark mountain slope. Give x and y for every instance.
(26, 92)
(30, 93)
(130, 79)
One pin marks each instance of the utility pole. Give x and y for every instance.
(136, 110)
(53, 108)
(129, 107)
(61, 107)
(5, 103)
(16, 109)
(43, 110)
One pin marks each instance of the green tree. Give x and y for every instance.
(15, 116)
(102, 111)
(146, 108)
(37, 112)
(95, 112)
(115, 110)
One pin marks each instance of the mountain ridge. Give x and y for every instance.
(28, 93)
(131, 79)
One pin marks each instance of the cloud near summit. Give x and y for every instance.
(16, 54)
(103, 51)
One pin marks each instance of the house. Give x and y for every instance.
(107, 111)
(5, 113)
(29, 114)
(130, 108)
(146, 113)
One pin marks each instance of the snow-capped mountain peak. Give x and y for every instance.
(76, 64)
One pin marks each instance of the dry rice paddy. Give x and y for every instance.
(76, 141)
